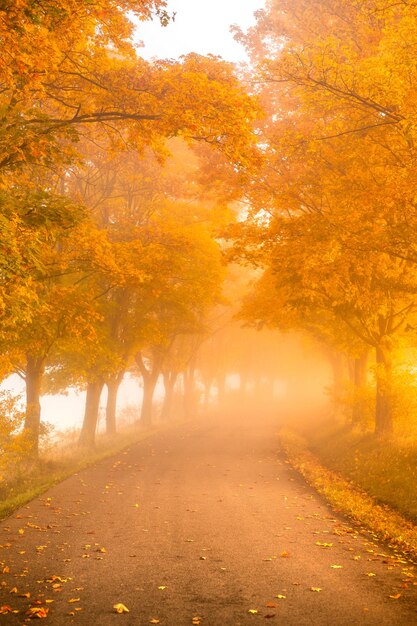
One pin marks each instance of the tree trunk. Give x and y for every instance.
(31, 429)
(149, 384)
(360, 380)
(113, 385)
(150, 378)
(92, 403)
(221, 387)
(170, 379)
(208, 383)
(383, 413)
(189, 391)
(243, 384)
(339, 371)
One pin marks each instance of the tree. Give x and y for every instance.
(334, 198)
(60, 307)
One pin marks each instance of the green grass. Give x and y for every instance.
(60, 463)
(350, 482)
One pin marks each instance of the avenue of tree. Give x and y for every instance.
(127, 185)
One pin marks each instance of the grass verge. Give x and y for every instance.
(347, 497)
(62, 463)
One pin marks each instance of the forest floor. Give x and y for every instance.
(207, 524)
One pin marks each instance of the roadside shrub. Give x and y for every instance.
(13, 448)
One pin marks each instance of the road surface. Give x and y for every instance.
(201, 524)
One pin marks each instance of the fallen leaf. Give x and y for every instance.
(315, 588)
(285, 555)
(336, 566)
(14, 590)
(73, 600)
(280, 597)
(154, 621)
(57, 579)
(162, 587)
(253, 611)
(196, 620)
(120, 608)
(371, 574)
(6, 609)
(397, 595)
(37, 612)
(269, 615)
(270, 605)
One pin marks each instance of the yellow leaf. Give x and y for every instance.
(315, 588)
(280, 597)
(5, 609)
(162, 587)
(397, 595)
(253, 611)
(336, 566)
(120, 608)
(73, 600)
(154, 621)
(37, 612)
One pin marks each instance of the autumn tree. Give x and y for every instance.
(60, 307)
(334, 200)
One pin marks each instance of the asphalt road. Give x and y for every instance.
(203, 524)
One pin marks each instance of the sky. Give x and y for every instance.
(200, 26)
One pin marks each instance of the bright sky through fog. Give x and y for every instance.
(200, 26)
